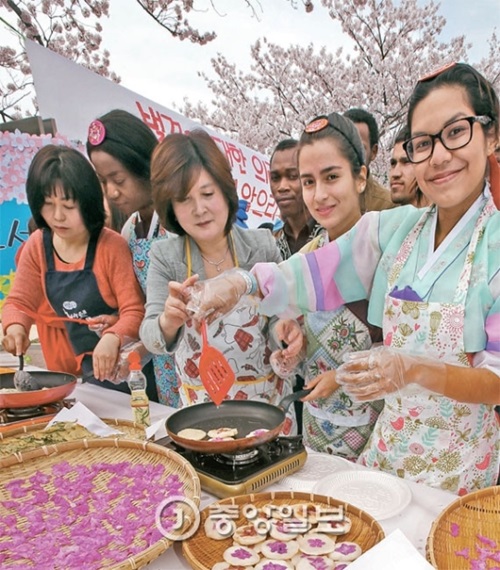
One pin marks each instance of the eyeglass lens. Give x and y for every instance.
(454, 136)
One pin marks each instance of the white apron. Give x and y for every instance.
(243, 337)
(421, 435)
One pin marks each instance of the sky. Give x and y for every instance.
(152, 63)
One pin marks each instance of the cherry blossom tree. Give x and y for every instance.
(392, 45)
(73, 29)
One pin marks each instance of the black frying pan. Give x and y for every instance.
(57, 385)
(245, 415)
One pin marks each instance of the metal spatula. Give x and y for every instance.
(24, 381)
(215, 372)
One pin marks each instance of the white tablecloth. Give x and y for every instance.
(415, 521)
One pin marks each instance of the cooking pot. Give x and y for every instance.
(244, 415)
(55, 386)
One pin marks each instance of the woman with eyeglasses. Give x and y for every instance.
(432, 278)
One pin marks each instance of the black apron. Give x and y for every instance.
(75, 294)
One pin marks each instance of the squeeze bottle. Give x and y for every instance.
(137, 384)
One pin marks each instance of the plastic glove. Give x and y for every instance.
(175, 312)
(372, 374)
(285, 361)
(101, 323)
(121, 370)
(285, 367)
(213, 298)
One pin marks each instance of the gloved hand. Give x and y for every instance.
(101, 323)
(370, 375)
(121, 370)
(285, 361)
(213, 298)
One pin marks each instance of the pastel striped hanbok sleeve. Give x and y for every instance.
(325, 279)
(492, 323)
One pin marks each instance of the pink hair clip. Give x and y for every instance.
(317, 124)
(438, 71)
(97, 133)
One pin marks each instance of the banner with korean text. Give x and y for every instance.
(74, 96)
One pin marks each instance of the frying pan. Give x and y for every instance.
(244, 415)
(57, 385)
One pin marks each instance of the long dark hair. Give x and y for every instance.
(481, 94)
(129, 140)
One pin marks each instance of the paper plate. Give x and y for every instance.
(380, 495)
(317, 466)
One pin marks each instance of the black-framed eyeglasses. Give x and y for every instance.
(453, 136)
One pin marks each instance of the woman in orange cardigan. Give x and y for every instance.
(70, 269)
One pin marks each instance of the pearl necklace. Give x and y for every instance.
(216, 264)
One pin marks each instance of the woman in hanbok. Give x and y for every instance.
(432, 278)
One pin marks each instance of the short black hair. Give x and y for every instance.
(55, 165)
(358, 115)
(285, 144)
(129, 140)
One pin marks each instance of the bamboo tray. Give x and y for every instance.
(467, 533)
(94, 498)
(26, 437)
(203, 552)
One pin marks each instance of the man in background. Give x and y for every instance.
(404, 187)
(286, 189)
(375, 196)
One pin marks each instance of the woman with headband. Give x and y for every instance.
(333, 176)
(120, 146)
(432, 278)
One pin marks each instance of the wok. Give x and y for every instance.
(245, 415)
(56, 386)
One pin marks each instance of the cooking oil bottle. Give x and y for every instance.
(137, 384)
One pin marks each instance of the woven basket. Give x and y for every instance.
(9, 437)
(470, 522)
(93, 454)
(203, 552)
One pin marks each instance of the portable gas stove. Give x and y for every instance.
(18, 417)
(226, 475)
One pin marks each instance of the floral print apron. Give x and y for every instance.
(336, 424)
(164, 366)
(421, 435)
(243, 337)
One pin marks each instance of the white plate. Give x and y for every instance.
(380, 495)
(317, 466)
